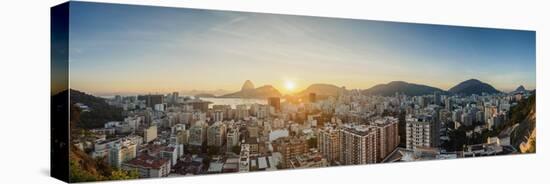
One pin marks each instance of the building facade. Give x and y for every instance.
(421, 132)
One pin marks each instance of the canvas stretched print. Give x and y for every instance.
(151, 92)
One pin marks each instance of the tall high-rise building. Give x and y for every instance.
(175, 96)
(198, 104)
(312, 97)
(216, 134)
(275, 102)
(358, 145)
(197, 134)
(328, 143)
(232, 138)
(182, 136)
(449, 104)
(150, 134)
(387, 136)
(151, 100)
(241, 111)
(437, 98)
(218, 115)
(290, 148)
(226, 109)
(262, 111)
(422, 131)
(422, 101)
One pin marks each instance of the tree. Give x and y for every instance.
(457, 140)
(123, 175)
(83, 168)
(77, 174)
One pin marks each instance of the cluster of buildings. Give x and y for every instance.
(170, 135)
(351, 144)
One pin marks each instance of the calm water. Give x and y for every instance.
(223, 101)
(233, 101)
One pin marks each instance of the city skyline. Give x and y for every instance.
(157, 50)
(278, 92)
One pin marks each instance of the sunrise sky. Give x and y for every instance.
(138, 49)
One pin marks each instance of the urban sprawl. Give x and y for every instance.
(173, 135)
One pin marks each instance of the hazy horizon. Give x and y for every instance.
(118, 49)
(218, 92)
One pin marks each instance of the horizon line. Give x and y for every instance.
(227, 91)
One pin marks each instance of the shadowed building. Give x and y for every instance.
(275, 102)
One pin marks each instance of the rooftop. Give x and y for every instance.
(147, 161)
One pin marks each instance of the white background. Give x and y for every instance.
(25, 89)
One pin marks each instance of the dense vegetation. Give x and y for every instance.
(84, 168)
(520, 112)
(524, 113)
(473, 86)
(409, 89)
(100, 112)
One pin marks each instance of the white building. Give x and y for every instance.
(218, 115)
(117, 151)
(150, 134)
(197, 134)
(170, 153)
(422, 132)
(216, 134)
(275, 134)
(159, 107)
(232, 138)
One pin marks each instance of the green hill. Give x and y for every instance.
(401, 87)
(100, 112)
(523, 114)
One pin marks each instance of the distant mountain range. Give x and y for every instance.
(401, 87)
(248, 85)
(205, 95)
(322, 90)
(204, 92)
(473, 86)
(520, 89)
(468, 87)
(248, 91)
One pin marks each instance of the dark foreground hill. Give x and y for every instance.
(84, 168)
(99, 111)
(524, 115)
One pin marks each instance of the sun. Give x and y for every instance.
(290, 85)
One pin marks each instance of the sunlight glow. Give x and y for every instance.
(290, 85)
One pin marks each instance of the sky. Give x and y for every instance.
(121, 49)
